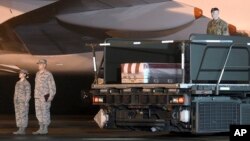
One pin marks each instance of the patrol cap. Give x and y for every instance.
(42, 61)
(24, 71)
(214, 9)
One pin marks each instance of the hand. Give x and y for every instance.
(50, 99)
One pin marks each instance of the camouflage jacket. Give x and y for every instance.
(22, 91)
(217, 27)
(44, 84)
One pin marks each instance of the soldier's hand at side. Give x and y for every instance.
(50, 99)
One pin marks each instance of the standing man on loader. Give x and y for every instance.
(217, 26)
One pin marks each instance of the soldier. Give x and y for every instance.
(217, 26)
(21, 102)
(45, 91)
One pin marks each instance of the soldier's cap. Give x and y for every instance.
(42, 61)
(24, 71)
(214, 9)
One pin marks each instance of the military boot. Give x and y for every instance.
(17, 132)
(22, 131)
(39, 130)
(45, 130)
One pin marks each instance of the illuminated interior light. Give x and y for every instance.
(136, 43)
(167, 41)
(213, 41)
(104, 44)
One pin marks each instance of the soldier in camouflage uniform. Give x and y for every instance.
(45, 90)
(217, 26)
(21, 102)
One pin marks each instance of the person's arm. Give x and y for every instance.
(52, 88)
(225, 30)
(27, 93)
(15, 94)
(208, 26)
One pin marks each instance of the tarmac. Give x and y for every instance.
(82, 128)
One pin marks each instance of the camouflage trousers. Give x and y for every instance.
(21, 113)
(42, 111)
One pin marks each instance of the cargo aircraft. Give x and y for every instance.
(61, 30)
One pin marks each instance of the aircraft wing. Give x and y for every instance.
(148, 17)
(134, 20)
(12, 8)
